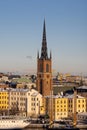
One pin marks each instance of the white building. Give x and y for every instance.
(4, 78)
(34, 102)
(26, 101)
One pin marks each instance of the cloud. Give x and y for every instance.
(29, 57)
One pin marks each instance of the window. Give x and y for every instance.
(47, 68)
(39, 76)
(41, 68)
(83, 105)
(47, 76)
(64, 101)
(41, 86)
(79, 101)
(78, 105)
(82, 100)
(61, 101)
(47, 82)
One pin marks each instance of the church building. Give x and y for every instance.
(44, 68)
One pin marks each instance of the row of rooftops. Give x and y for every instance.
(36, 92)
(54, 96)
(17, 90)
(66, 96)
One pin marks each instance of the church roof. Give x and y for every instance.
(44, 54)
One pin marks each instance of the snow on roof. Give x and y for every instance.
(82, 87)
(3, 90)
(19, 90)
(72, 96)
(83, 113)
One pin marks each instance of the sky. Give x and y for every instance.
(21, 28)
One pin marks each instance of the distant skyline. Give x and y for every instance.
(21, 28)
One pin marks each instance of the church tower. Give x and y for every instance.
(44, 68)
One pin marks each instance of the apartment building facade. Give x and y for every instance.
(4, 100)
(24, 102)
(63, 106)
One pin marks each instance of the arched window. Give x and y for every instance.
(41, 86)
(47, 68)
(41, 68)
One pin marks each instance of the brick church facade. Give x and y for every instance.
(44, 68)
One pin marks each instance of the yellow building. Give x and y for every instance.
(4, 99)
(80, 104)
(61, 107)
(43, 107)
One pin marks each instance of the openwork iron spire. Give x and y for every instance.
(44, 54)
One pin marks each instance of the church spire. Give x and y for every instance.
(44, 54)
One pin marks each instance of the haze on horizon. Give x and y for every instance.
(21, 28)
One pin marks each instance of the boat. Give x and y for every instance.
(13, 123)
(81, 124)
(63, 128)
(61, 125)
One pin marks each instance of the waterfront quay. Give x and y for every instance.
(43, 129)
(37, 126)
